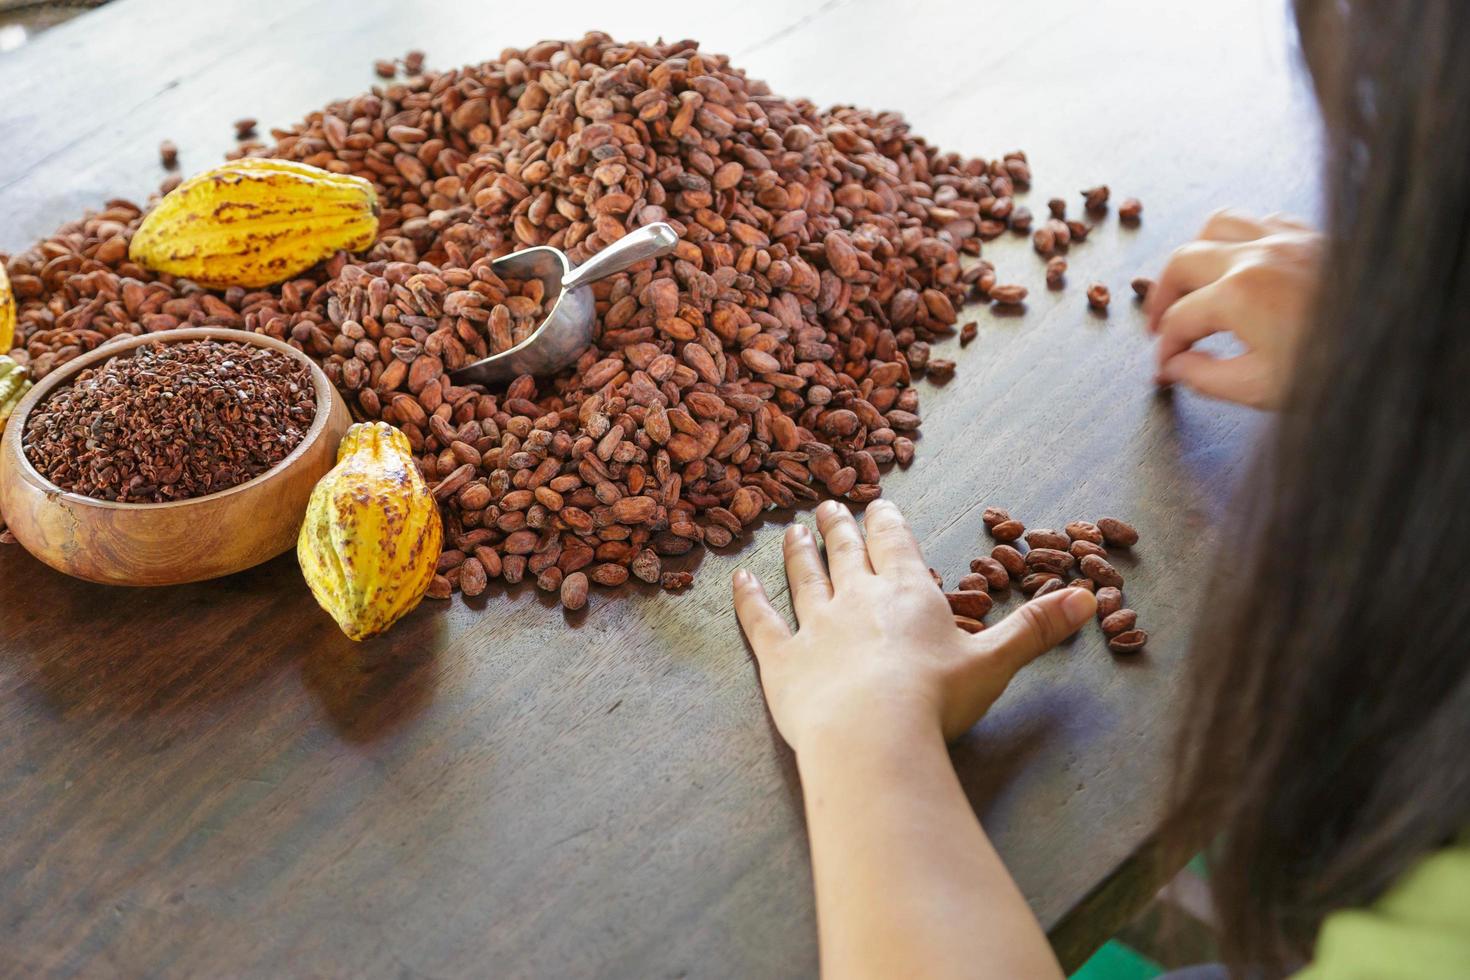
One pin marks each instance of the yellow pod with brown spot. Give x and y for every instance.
(7, 311)
(255, 222)
(372, 533)
(14, 384)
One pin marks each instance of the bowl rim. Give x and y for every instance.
(325, 393)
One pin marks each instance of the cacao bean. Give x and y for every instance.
(1007, 530)
(1109, 601)
(1010, 559)
(1045, 537)
(1130, 642)
(1084, 531)
(1116, 533)
(992, 516)
(1119, 622)
(1101, 571)
(574, 590)
(1049, 560)
(973, 582)
(968, 624)
(972, 604)
(1036, 580)
(1081, 549)
(996, 575)
(1048, 587)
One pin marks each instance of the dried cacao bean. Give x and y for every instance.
(1116, 533)
(1101, 571)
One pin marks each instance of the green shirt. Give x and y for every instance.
(1420, 928)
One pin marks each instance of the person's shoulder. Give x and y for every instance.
(1419, 928)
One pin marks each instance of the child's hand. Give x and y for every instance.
(1253, 277)
(876, 643)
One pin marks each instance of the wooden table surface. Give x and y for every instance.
(210, 780)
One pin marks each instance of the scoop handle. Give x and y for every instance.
(648, 242)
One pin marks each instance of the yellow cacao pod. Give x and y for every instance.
(13, 385)
(7, 311)
(372, 533)
(255, 222)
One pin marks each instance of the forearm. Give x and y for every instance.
(906, 882)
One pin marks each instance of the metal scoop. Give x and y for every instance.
(567, 329)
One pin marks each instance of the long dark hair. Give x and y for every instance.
(1327, 733)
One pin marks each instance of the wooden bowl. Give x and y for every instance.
(180, 540)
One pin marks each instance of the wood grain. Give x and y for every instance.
(211, 780)
(179, 541)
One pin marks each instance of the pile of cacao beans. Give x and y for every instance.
(1050, 561)
(767, 362)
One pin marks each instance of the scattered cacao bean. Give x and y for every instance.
(1116, 533)
(1045, 537)
(1119, 622)
(674, 581)
(574, 590)
(1010, 559)
(1049, 560)
(1130, 642)
(1084, 531)
(1061, 232)
(1056, 271)
(1109, 601)
(1008, 295)
(940, 370)
(1101, 571)
(974, 604)
(994, 573)
(1007, 530)
(973, 582)
(647, 566)
(1036, 580)
(1048, 587)
(1081, 549)
(550, 580)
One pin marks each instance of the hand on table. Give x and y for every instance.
(1253, 277)
(876, 642)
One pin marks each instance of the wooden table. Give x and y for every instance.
(210, 780)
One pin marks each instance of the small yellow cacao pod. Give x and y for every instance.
(7, 311)
(13, 387)
(372, 533)
(255, 222)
